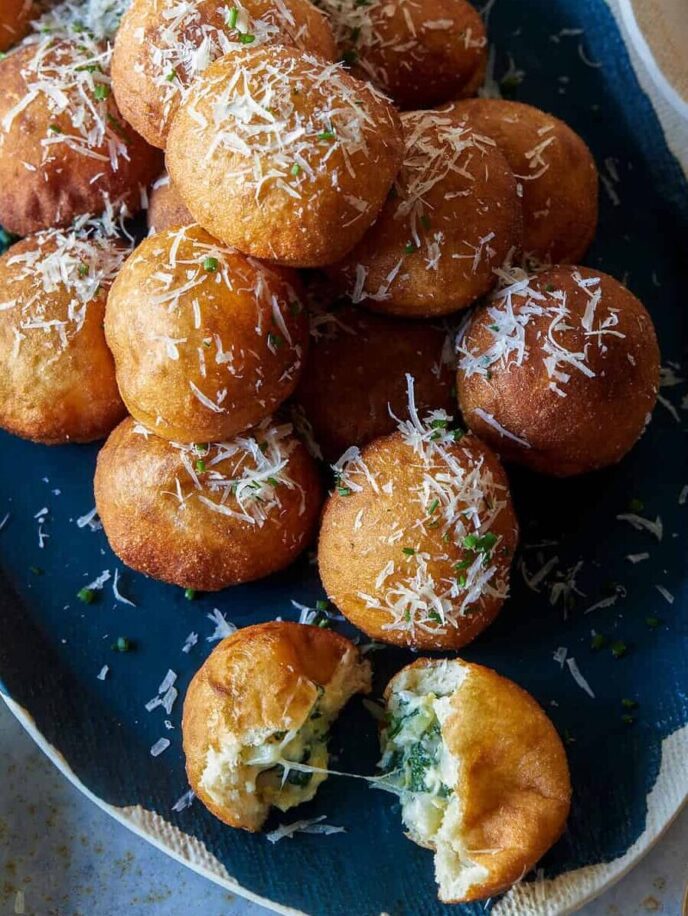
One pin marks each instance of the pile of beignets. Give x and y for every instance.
(350, 246)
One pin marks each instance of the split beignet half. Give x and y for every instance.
(263, 700)
(481, 771)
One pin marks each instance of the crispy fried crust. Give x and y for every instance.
(354, 377)
(416, 64)
(145, 58)
(325, 168)
(601, 417)
(359, 538)
(38, 190)
(453, 218)
(55, 386)
(15, 17)
(514, 786)
(186, 542)
(235, 336)
(166, 209)
(555, 169)
(262, 677)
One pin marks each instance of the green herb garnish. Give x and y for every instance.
(122, 644)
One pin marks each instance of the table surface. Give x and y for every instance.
(60, 855)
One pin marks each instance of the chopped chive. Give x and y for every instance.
(122, 644)
(36, 570)
(434, 615)
(619, 648)
(210, 265)
(549, 287)
(232, 18)
(433, 506)
(55, 129)
(87, 595)
(101, 92)
(295, 169)
(599, 641)
(408, 551)
(463, 564)
(627, 720)
(190, 594)
(344, 491)
(425, 221)
(83, 270)
(275, 340)
(322, 605)
(653, 622)
(246, 38)
(273, 481)
(324, 622)
(458, 434)
(439, 424)
(629, 704)
(409, 248)
(470, 542)
(636, 505)
(326, 135)
(200, 465)
(493, 327)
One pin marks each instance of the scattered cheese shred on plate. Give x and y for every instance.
(578, 677)
(313, 825)
(160, 745)
(639, 523)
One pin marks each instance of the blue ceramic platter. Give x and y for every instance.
(52, 646)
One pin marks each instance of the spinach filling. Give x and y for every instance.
(412, 744)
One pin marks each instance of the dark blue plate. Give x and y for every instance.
(53, 646)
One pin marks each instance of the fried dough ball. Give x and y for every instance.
(166, 209)
(15, 20)
(420, 54)
(264, 699)
(207, 342)
(559, 371)
(453, 217)
(284, 156)
(64, 149)
(160, 49)
(417, 538)
(554, 168)
(482, 772)
(57, 377)
(207, 516)
(354, 380)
